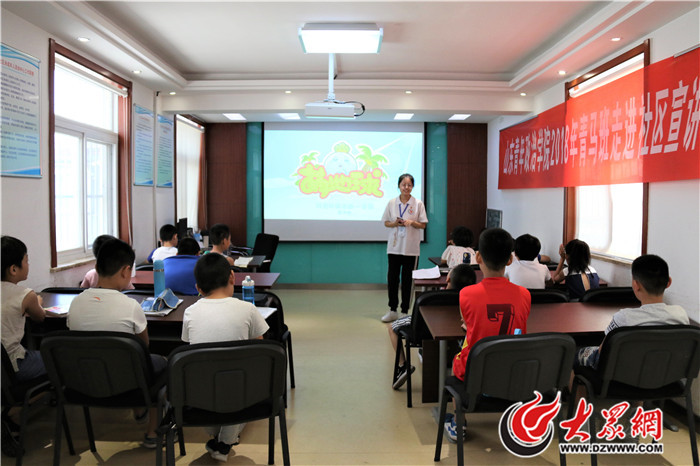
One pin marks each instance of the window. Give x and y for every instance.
(86, 156)
(612, 219)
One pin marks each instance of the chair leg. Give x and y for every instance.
(291, 359)
(409, 392)
(69, 439)
(441, 424)
(691, 426)
(57, 435)
(181, 441)
(88, 425)
(271, 440)
(560, 433)
(593, 431)
(283, 436)
(397, 357)
(170, 447)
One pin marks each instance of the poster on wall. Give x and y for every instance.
(20, 151)
(643, 127)
(165, 152)
(144, 128)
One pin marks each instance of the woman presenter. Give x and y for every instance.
(405, 218)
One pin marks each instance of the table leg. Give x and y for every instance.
(442, 375)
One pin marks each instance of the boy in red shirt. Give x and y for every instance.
(494, 306)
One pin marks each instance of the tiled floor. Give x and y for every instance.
(343, 411)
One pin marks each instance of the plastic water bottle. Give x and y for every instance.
(249, 290)
(158, 277)
(518, 332)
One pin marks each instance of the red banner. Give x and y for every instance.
(618, 133)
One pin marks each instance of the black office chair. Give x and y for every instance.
(610, 294)
(16, 393)
(63, 290)
(508, 369)
(146, 266)
(279, 330)
(226, 383)
(265, 245)
(106, 369)
(646, 363)
(548, 295)
(414, 335)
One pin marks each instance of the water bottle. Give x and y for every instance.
(518, 332)
(158, 277)
(249, 290)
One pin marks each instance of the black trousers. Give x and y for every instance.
(400, 267)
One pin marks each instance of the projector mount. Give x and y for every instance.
(331, 101)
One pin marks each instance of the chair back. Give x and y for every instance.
(512, 367)
(548, 295)
(650, 357)
(610, 294)
(277, 325)
(63, 290)
(227, 378)
(9, 380)
(98, 368)
(265, 245)
(447, 298)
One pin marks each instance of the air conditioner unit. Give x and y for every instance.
(330, 110)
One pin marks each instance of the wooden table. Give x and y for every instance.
(441, 282)
(586, 322)
(143, 279)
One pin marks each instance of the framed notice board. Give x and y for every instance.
(494, 218)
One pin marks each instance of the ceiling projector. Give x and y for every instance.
(330, 109)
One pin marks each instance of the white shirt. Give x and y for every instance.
(528, 274)
(405, 240)
(226, 319)
(454, 255)
(13, 320)
(102, 309)
(163, 252)
(649, 314)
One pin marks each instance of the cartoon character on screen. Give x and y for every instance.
(340, 160)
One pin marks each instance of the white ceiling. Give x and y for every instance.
(455, 56)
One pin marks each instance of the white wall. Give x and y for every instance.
(25, 201)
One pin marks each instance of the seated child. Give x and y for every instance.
(220, 240)
(105, 308)
(179, 270)
(220, 317)
(459, 277)
(458, 249)
(90, 280)
(477, 302)
(650, 279)
(579, 274)
(18, 302)
(526, 270)
(168, 239)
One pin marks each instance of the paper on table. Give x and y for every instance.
(426, 273)
(57, 310)
(242, 261)
(266, 312)
(148, 303)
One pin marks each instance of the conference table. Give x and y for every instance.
(441, 282)
(143, 279)
(585, 322)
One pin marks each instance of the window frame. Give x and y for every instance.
(123, 162)
(570, 193)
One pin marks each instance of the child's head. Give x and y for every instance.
(219, 233)
(113, 258)
(188, 247)
(495, 248)
(168, 233)
(212, 272)
(651, 272)
(527, 247)
(460, 276)
(14, 254)
(578, 256)
(462, 236)
(99, 241)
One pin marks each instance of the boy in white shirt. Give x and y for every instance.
(526, 270)
(220, 317)
(459, 249)
(168, 239)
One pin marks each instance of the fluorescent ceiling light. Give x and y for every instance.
(460, 116)
(289, 116)
(403, 116)
(235, 116)
(83, 39)
(341, 37)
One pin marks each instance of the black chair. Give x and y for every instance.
(610, 294)
(63, 290)
(106, 369)
(146, 266)
(647, 363)
(16, 393)
(508, 369)
(414, 335)
(279, 330)
(265, 245)
(226, 383)
(548, 295)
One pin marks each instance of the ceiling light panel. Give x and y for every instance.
(341, 37)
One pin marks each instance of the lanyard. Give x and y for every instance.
(401, 212)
